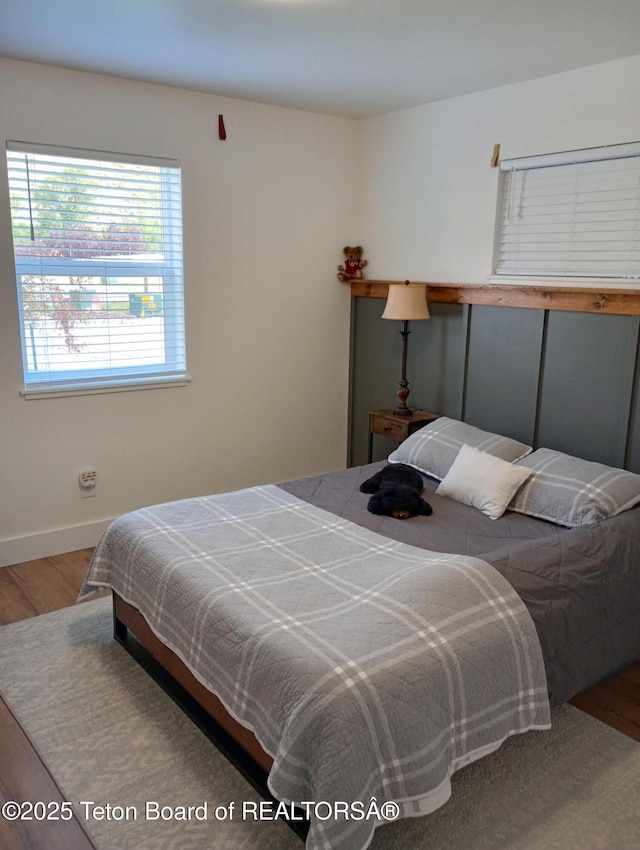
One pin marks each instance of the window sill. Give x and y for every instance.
(97, 389)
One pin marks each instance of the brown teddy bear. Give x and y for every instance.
(353, 264)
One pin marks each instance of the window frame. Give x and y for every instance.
(103, 378)
(561, 276)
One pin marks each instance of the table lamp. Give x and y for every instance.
(406, 302)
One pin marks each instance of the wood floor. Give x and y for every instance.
(27, 590)
(48, 584)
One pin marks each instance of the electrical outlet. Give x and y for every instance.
(87, 482)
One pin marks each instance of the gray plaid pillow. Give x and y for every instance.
(434, 448)
(570, 491)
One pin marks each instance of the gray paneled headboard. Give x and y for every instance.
(557, 378)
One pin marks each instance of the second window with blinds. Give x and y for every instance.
(571, 215)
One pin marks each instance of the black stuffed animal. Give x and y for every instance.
(396, 492)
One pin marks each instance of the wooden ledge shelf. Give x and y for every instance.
(616, 301)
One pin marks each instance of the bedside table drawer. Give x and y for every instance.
(385, 423)
(394, 429)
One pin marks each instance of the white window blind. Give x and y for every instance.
(573, 214)
(98, 256)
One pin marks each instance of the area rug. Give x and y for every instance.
(132, 764)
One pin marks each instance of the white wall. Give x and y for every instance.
(266, 214)
(429, 193)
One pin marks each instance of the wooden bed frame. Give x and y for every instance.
(127, 618)
(238, 744)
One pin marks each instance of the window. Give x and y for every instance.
(98, 255)
(574, 214)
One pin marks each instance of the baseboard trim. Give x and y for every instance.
(55, 542)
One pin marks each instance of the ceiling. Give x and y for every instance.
(352, 58)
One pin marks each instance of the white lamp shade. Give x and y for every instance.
(406, 301)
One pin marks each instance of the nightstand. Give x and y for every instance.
(386, 424)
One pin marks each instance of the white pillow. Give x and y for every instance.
(482, 481)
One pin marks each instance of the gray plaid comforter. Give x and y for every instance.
(368, 669)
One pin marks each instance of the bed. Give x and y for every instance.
(360, 660)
